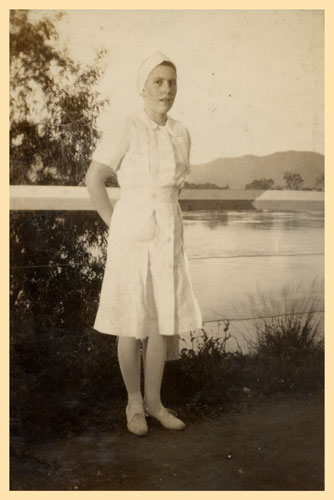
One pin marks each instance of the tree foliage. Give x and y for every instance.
(205, 185)
(54, 104)
(57, 262)
(293, 181)
(262, 183)
(57, 258)
(319, 182)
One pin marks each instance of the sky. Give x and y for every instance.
(249, 81)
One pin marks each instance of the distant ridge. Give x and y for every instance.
(238, 171)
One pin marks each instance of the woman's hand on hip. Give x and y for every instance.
(96, 176)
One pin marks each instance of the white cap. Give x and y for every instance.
(147, 66)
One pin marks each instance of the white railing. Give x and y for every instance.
(77, 198)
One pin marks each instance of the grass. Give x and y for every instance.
(289, 344)
(291, 318)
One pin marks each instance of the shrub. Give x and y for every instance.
(288, 349)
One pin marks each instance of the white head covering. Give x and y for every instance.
(146, 67)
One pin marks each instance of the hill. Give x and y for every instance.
(238, 171)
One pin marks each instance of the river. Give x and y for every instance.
(251, 263)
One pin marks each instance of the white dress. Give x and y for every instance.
(146, 288)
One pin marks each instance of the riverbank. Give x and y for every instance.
(276, 444)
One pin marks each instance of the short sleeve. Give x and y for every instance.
(113, 143)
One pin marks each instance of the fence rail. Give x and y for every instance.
(208, 257)
(77, 198)
(226, 321)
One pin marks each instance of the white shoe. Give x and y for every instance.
(136, 422)
(167, 418)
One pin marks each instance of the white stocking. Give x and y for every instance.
(154, 356)
(129, 361)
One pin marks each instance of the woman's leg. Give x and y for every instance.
(129, 361)
(154, 357)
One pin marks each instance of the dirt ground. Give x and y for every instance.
(272, 445)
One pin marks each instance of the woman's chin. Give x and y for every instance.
(165, 107)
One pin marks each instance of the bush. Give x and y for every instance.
(286, 357)
(58, 366)
(288, 352)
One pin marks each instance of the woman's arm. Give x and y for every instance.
(106, 161)
(96, 176)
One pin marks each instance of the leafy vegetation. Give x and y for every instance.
(320, 182)
(206, 185)
(293, 181)
(260, 184)
(54, 105)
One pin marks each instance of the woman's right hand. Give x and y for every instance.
(96, 176)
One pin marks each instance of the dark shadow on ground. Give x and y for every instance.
(273, 445)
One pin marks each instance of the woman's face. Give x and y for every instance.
(160, 89)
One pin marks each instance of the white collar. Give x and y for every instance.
(171, 126)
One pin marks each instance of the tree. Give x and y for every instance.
(53, 105)
(319, 182)
(206, 185)
(293, 181)
(55, 276)
(262, 183)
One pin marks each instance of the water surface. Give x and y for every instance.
(237, 257)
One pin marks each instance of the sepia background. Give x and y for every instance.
(250, 82)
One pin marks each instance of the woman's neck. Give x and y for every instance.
(158, 118)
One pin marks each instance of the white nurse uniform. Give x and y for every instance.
(146, 288)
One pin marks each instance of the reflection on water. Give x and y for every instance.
(264, 219)
(236, 233)
(235, 255)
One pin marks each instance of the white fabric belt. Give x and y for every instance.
(150, 194)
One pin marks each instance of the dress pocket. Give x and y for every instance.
(133, 222)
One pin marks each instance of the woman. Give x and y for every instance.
(146, 298)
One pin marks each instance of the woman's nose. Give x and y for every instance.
(166, 86)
